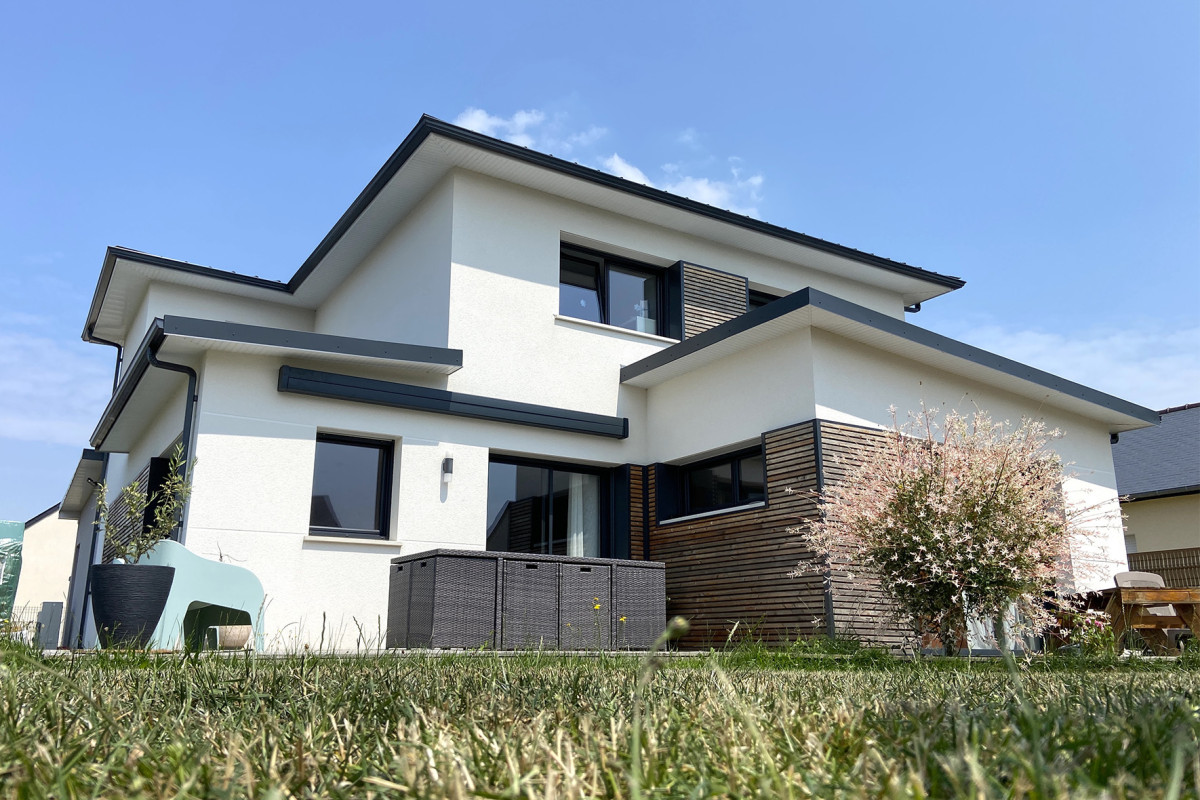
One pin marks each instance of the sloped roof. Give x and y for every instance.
(813, 308)
(433, 148)
(1161, 460)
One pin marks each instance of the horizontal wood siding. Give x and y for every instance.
(637, 512)
(732, 569)
(1179, 568)
(860, 608)
(710, 297)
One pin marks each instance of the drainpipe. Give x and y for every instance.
(89, 336)
(189, 405)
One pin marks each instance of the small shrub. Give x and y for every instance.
(953, 520)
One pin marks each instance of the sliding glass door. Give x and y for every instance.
(546, 508)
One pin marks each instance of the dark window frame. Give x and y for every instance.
(383, 488)
(603, 264)
(733, 459)
(756, 298)
(607, 493)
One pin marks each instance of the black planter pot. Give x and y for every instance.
(127, 601)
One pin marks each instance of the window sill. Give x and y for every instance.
(714, 513)
(574, 322)
(351, 540)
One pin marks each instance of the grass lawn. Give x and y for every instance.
(740, 724)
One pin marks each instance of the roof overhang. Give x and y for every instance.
(431, 151)
(143, 388)
(88, 473)
(810, 308)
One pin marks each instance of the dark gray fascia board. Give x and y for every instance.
(135, 368)
(313, 383)
(890, 325)
(427, 126)
(305, 340)
(1160, 494)
(161, 328)
(431, 125)
(113, 253)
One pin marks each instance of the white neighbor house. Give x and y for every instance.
(494, 347)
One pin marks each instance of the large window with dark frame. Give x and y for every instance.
(351, 487)
(727, 481)
(612, 291)
(544, 507)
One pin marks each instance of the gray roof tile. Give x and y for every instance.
(1162, 458)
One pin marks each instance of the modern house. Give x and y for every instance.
(1158, 477)
(494, 348)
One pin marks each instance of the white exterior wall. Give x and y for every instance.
(520, 231)
(47, 555)
(857, 384)
(401, 291)
(731, 401)
(252, 492)
(162, 299)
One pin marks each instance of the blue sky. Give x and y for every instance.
(1048, 153)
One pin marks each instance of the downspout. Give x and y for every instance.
(189, 405)
(89, 336)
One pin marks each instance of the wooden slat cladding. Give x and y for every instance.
(1179, 568)
(860, 608)
(710, 297)
(121, 524)
(732, 569)
(637, 513)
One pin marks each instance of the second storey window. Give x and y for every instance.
(351, 487)
(611, 291)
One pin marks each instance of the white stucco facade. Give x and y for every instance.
(469, 262)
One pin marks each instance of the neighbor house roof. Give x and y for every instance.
(812, 308)
(1163, 460)
(428, 153)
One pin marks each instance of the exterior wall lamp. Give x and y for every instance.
(447, 469)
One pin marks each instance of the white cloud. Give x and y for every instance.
(552, 133)
(50, 392)
(1144, 363)
(623, 169)
(514, 129)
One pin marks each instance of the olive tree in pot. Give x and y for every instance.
(127, 597)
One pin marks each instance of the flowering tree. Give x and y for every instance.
(957, 519)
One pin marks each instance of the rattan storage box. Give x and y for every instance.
(473, 599)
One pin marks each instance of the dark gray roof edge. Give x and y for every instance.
(428, 125)
(113, 252)
(135, 368)
(337, 386)
(891, 325)
(1159, 494)
(43, 515)
(307, 340)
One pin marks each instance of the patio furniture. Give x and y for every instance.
(474, 598)
(204, 593)
(1139, 602)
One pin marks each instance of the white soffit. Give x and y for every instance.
(144, 404)
(130, 278)
(91, 465)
